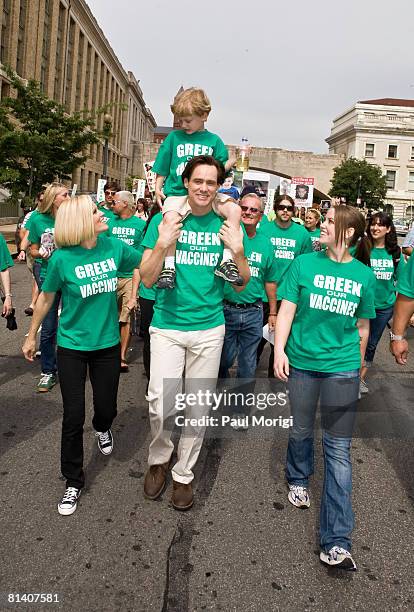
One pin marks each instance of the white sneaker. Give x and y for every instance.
(105, 441)
(363, 387)
(338, 557)
(298, 496)
(69, 501)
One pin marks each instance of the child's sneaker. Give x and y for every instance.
(230, 272)
(338, 557)
(166, 279)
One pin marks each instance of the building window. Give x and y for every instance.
(390, 177)
(59, 53)
(369, 150)
(44, 66)
(69, 64)
(412, 153)
(411, 181)
(5, 33)
(87, 75)
(20, 37)
(79, 71)
(392, 117)
(392, 151)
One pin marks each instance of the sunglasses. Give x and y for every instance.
(249, 209)
(112, 193)
(378, 224)
(282, 207)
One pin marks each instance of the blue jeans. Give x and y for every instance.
(338, 395)
(376, 329)
(49, 330)
(244, 330)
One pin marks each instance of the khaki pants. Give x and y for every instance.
(173, 352)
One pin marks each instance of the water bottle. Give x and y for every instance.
(243, 152)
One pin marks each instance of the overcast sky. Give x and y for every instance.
(277, 72)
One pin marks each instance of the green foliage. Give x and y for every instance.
(39, 140)
(371, 187)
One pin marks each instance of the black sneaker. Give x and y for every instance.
(230, 272)
(105, 441)
(166, 279)
(69, 501)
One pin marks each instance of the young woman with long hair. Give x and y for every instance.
(387, 263)
(321, 334)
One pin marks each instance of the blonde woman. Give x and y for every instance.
(321, 335)
(313, 225)
(41, 227)
(85, 270)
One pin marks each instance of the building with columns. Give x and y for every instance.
(60, 44)
(382, 132)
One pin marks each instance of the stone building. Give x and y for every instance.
(60, 44)
(382, 132)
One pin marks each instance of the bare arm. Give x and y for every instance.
(153, 259)
(271, 288)
(403, 310)
(43, 305)
(284, 322)
(232, 239)
(159, 193)
(407, 250)
(132, 302)
(7, 305)
(363, 330)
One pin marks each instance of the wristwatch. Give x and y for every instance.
(395, 337)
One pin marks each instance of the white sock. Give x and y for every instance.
(226, 255)
(170, 262)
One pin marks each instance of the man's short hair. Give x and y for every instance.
(204, 160)
(255, 197)
(126, 196)
(112, 186)
(191, 101)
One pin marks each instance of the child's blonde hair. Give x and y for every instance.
(191, 101)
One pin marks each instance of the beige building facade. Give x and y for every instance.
(381, 132)
(60, 44)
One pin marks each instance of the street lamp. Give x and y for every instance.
(107, 131)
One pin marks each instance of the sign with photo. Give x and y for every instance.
(301, 190)
(138, 188)
(284, 186)
(150, 176)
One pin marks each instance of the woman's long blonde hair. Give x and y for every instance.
(49, 196)
(74, 221)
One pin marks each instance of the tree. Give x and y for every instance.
(357, 178)
(39, 140)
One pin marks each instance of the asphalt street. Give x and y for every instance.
(242, 547)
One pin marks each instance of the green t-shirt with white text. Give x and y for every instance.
(129, 231)
(177, 149)
(195, 303)
(263, 268)
(330, 298)
(288, 243)
(41, 232)
(88, 281)
(383, 267)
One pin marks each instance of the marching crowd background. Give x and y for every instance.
(210, 271)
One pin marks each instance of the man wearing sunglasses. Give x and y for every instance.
(106, 207)
(243, 311)
(289, 241)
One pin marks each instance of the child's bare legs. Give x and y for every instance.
(166, 279)
(228, 269)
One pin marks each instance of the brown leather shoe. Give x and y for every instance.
(155, 479)
(182, 496)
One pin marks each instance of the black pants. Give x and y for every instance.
(147, 311)
(263, 342)
(104, 376)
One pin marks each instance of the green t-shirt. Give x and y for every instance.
(406, 281)
(129, 231)
(196, 301)
(383, 267)
(314, 236)
(263, 268)
(27, 223)
(88, 280)
(288, 243)
(41, 232)
(177, 149)
(6, 260)
(108, 214)
(330, 298)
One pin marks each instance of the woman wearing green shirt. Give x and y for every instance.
(85, 269)
(41, 230)
(321, 333)
(387, 263)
